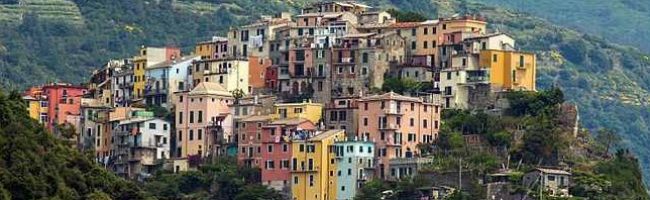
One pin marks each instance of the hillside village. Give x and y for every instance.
(323, 102)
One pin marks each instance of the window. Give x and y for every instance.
(285, 148)
(340, 70)
(414, 45)
(424, 123)
(494, 58)
(180, 135)
(412, 106)
(200, 119)
(333, 116)
(521, 61)
(412, 122)
(200, 134)
(302, 148)
(551, 178)
(311, 180)
(270, 148)
(444, 26)
(448, 75)
(413, 32)
(295, 179)
(365, 106)
(364, 57)
(310, 164)
(165, 127)
(152, 126)
(180, 117)
(297, 110)
(342, 188)
(191, 116)
(426, 45)
(426, 31)
(342, 115)
(191, 135)
(365, 121)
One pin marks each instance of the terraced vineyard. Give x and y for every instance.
(59, 10)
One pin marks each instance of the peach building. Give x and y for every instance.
(203, 120)
(397, 124)
(62, 100)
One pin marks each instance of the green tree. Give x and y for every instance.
(371, 190)
(608, 138)
(258, 192)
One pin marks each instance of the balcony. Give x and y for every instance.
(345, 61)
(388, 126)
(393, 111)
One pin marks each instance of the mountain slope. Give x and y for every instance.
(606, 80)
(622, 21)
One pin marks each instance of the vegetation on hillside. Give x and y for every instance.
(35, 165)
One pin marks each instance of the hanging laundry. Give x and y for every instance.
(257, 41)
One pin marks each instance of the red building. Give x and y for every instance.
(64, 100)
(276, 150)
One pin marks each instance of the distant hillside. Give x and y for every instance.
(608, 81)
(622, 21)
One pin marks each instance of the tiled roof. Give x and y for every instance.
(292, 121)
(390, 96)
(257, 118)
(209, 88)
(405, 25)
(322, 14)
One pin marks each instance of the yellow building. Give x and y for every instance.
(314, 170)
(308, 110)
(148, 57)
(34, 108)
(510, 70)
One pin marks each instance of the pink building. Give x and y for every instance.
(276, 150)
(63, 100)
(397, 124)
(203, 120)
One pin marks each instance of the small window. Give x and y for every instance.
(152, 125)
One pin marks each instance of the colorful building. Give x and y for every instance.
(510, 70)
(397, 124)
(148, 57)
(63, 100)
(202, 114)
(141, 142)
(313, 166)
(166, 78)
(213, 49)
(355, 164)
(276, 154)
(230, 73)
(307, 110)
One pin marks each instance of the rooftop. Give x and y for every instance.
(326, 135)
(257, 118)
(169, 63)
(291, 121)
(552, 171)
(209, 88)
(391, 96)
